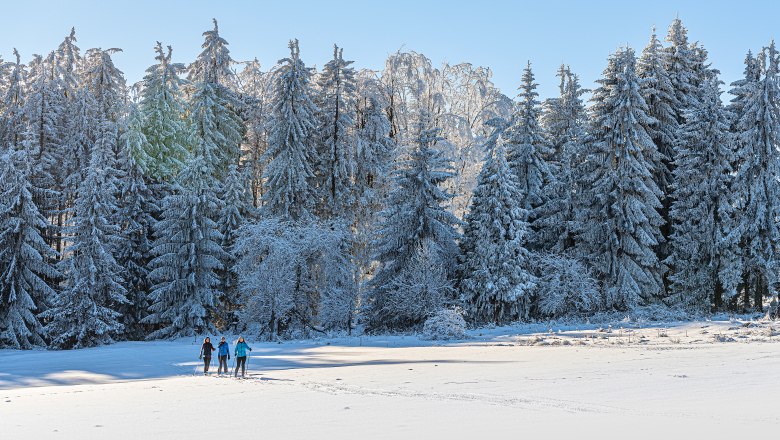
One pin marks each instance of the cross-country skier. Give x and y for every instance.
(240, 353)
(205, 354)
(223, 355)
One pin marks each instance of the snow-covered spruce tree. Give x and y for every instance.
(704, 265)
(188, 254)
(107, 85)
(291, 151)
(44, 111)
(68, 60)
(757, 182)
(138, 207)
(336, 159)
(743, 89)
(218, 129)
(234, 212)
(374, 153)
(86, 313)
(494, 277)
(621, 222)
(166, 131)
(527, 147)
(661, 98)
(12, 114)
(24, 256)
(415, 229)
(564, 120)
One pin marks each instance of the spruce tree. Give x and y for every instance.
(291, 151)
(188, 255)
(621, 226)
(336, 159)
(218, 129)
(138, 207)
(24, 256)
(416, 232)
(234, 212)
(12, 112)
(493, 275)
(757, 183)
(166, 132)
(555, 222)
(527, 147)
(704, 264)
(86, 313)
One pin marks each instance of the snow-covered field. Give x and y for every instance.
(694, 380)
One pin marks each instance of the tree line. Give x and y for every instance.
(287, 202)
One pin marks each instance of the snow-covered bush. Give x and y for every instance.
(565, 286)
(294, 276)
(444, 325)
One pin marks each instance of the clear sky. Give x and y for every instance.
(502, 35)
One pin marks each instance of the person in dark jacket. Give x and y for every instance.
(223, 355)
(240, 353)
(205, 354)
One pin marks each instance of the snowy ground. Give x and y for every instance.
(701, 379)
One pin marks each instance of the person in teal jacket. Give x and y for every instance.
(240, 353)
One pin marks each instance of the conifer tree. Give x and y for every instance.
(218, 128)
(757, 183)
(24, 256)
(12, 113)
(555, 222)
(526, 146)
(621, 224)
(166, 132)
(493, 274)
(137, 210)
(291, 151)
(704, 264)
(416, 232)
(336, 157)
(188, 255)
(86, 313)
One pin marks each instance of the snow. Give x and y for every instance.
(586, 381)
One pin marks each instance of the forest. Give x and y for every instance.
(286, 202)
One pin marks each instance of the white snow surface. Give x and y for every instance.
(713, 379)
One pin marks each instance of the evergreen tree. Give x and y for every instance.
(494, 276)
(336, 164)
(166, 131)
(415, 229)
(374, 153)
(705, 270)
(187, 255)
(234, 213)
(137, 209)
(659, 94)
(214, 110)
(555, 220)
(621, 224)
(24, 256)
(291, 152)
(12, 112)
(86, 313)
(526, 146)
(757, 183)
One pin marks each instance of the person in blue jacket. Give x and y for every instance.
(223, 355)
(240, 353)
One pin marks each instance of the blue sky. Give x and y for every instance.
(498, 34)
